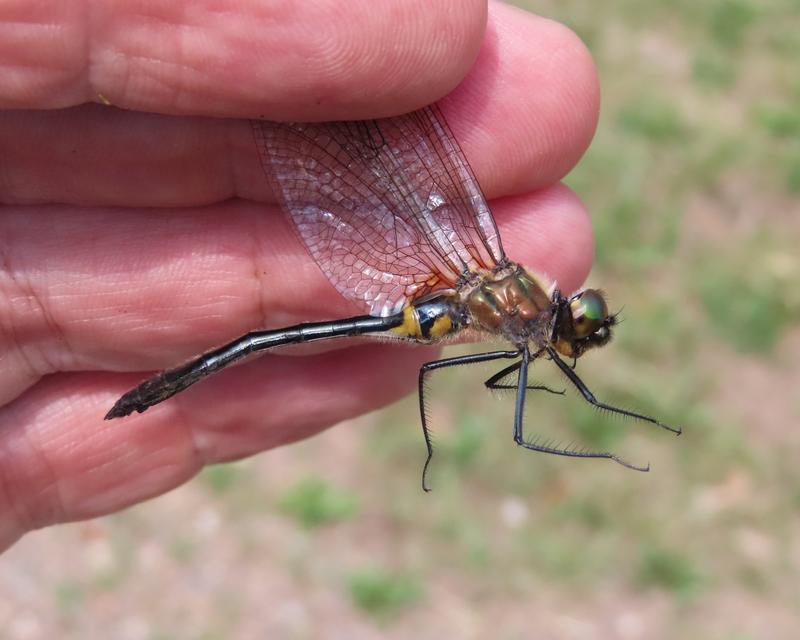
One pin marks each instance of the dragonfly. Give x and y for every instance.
(392, 213)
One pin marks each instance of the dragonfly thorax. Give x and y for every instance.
(514, 305)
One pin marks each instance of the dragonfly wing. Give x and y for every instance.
(389, 209)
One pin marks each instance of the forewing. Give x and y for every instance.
(389, 209)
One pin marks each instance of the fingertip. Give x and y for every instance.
(550, 232)
(290, 61)
(548, 113)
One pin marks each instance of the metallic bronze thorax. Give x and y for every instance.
(511, 304)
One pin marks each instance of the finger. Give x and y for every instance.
(60, 461)
(528, 110)
(524, 116)
(550, 233)
(301, 60)
(126, 291)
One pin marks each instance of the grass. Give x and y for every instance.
(668, 569)
(657, 120)
(381, 593)
(730, 21)
(713, 69)
(793, 175)
(781, 121)
(69, 596)
(221, 478)
(751, 308)
(313, 502)
(465, 445)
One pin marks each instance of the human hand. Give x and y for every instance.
(131, 241)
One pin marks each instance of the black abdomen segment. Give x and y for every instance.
(431, 320)
(168, 383)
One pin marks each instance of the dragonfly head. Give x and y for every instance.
(582, 322)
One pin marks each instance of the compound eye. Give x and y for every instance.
(594, 305)
(589, 312)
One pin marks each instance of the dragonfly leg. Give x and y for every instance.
(441, 364)
(519, 415)
(494, 382)
(589, 396)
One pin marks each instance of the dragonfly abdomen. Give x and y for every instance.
(168, 383)
(432, 320)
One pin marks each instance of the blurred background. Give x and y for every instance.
(694, 185)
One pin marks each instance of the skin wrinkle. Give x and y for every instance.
(14, 346)
(569, 97)
(192, 42)
(88, 22)
(258, 274)
(21, 381)
(123, 453)
(334, 60)
(41, 65)
(150, 65)
(134, 457)
(11, 528)
(54, 331)
(235, 169)
(30, 31)
(347, 56)
(183, 460)
(44, 505)
(12, 514)
(576, 67)
(180, 89)
(150, 81)
(121, 70)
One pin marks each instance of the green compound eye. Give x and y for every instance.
(593, 307)
(590, 306)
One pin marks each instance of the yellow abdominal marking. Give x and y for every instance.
(442, 326)
(430, 330)
(410, 327)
